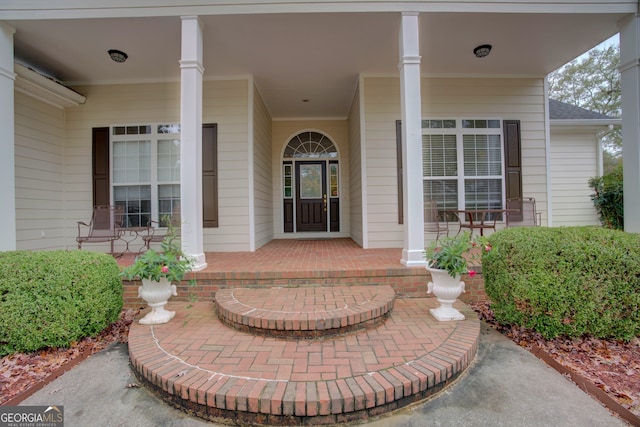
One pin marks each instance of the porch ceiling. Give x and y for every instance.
(307, 56)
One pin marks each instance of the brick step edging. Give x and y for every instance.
(250, 398)
(309, 312)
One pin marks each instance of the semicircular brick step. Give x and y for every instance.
(305, 312)
(197, 363)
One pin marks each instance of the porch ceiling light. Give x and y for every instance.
(118, 55)
(482, 50)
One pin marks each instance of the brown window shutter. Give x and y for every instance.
(399, 171)
(100, 166)
(513, 159)
(210, 175)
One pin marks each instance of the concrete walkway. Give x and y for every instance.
(505, 386)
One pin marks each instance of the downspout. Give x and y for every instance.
(547, 148)
(599, 150)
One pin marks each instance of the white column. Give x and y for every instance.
(630, 84)
(7, 141)
(191, 70)
(412, 252)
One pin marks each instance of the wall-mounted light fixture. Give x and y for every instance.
(118, 55)
(482, 50)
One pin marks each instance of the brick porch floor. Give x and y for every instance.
(327, 262)
(299, 255)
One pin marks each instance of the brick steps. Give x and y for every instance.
(198, 363)
(307, 312)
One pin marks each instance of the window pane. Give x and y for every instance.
(439, 157)
(288, 180)
(443, 192)
(172, 128)
(168, 203)
(136, 202)
(333, 180)
(438, 124)
(482, 155)
(311, 181)
(168, 160)
(483, 194)
(131, 161)
(312, 145)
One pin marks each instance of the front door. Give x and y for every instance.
(311, 196)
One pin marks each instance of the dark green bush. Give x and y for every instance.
(53, 298)
(569, 281)
(607, 198)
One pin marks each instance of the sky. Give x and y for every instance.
(614, 40)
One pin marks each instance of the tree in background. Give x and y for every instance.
(592, 82)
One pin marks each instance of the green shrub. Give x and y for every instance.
(53, 298)
(569, 281)
(607, 198)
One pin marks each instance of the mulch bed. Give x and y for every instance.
(609, 366)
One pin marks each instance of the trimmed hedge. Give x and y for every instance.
(608, 198)
(568, 281)
(53, 298)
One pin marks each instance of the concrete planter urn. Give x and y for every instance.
(156, 294)
(446, 290)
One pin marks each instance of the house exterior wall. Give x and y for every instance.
(381, 110)
(224, 102)
(262, 176)
(355, 170)
(39, 167)
(282, 132)
(503, 98)
(574, 159)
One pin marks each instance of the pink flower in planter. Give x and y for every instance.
(164, 269)
(472, 273)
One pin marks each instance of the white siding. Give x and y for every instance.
(262, 176)
(224, 103)
(39, 153)
(573, 163)
(518, 99)
(355, 170)
(227, 104)
(382, 109)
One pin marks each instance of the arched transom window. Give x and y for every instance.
(310, 145)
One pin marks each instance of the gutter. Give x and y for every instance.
(586, 122)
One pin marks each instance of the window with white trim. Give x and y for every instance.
(462, 163)
(146, 172)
